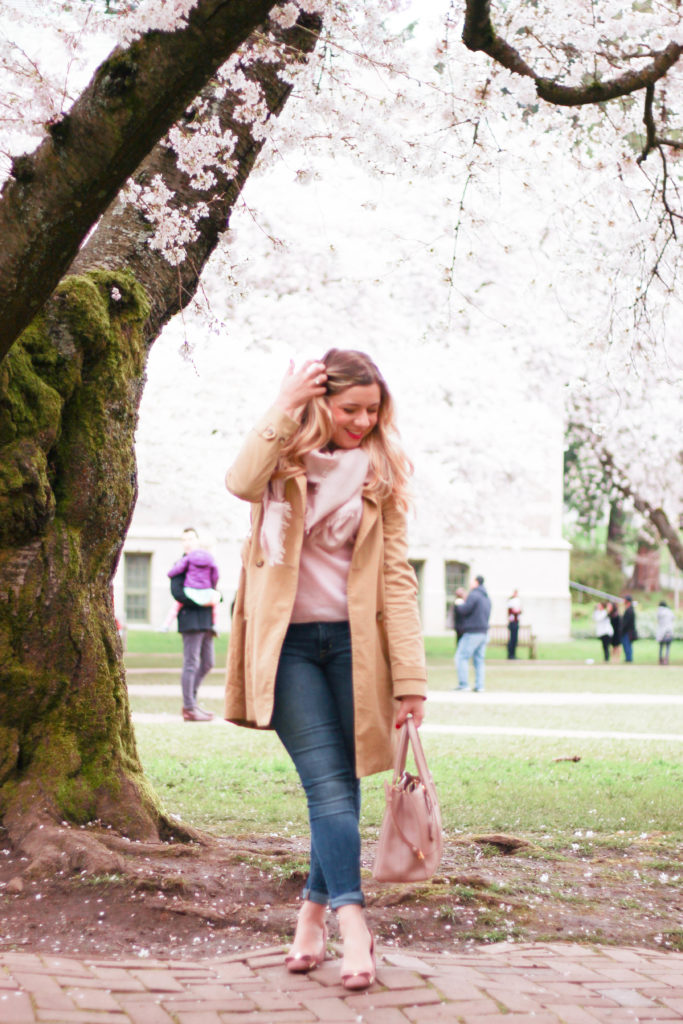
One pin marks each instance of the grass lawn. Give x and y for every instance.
(146, 648)
(240, 782)
(576, 650)
(576, 676)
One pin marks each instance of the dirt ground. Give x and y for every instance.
(192, 901)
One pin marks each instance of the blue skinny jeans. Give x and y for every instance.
(471, 646)
(313, 716)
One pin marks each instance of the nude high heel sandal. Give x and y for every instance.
(356, 981)
(302, 963)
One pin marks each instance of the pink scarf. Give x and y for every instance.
(333, 502)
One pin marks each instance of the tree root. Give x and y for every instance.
(189, 908)
(505, 843)
(51, 849)
(179, 840)
(50, 846)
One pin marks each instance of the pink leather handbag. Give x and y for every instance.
(411, 839)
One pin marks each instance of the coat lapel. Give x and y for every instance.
(298, 495)
(368, 519)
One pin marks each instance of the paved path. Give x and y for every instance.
(166, 718)
(486, 699)
(455, 697)
(502, 984)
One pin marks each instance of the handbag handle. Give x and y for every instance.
(409, 734)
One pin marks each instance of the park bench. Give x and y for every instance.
(498, 637)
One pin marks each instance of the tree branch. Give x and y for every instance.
(657, 517)
(622, 85)
(56, 194)
(479, 34)
(649, 122)
(652, 139)
(121, 238)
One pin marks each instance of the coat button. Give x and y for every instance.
(380, 616)
(259, 563)
(269, 432)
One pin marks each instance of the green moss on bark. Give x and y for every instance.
(9, 751)
(69, 396)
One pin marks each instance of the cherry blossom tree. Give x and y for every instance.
(565, 287)
(54, 195)
(627, 448)
(183, 107)
(69, 393)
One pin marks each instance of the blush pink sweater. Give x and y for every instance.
(323, 575)
(333, 514)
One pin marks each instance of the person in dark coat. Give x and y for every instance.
(628, 628)
(460, 596)
(514, 615)
(195, 625)
(615, 620)
(474, 622)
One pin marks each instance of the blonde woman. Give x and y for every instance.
(326, 646)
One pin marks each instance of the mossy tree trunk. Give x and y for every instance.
(67, 419)
(616, 529)
(69, 396)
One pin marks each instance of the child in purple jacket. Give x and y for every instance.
(201, 572)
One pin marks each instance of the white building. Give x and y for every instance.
(516, 544)
(539, 571)
(467, 355)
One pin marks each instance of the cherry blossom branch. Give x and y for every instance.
(618, 481)
(122, 236)
(657, 517)
(57, 193)
(479, 34)
(653, 140)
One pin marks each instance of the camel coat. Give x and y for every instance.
(386, 637)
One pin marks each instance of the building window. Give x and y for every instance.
(136, 583)
(457, 575)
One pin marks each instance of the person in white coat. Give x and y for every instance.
(603, 628)
(665, 631)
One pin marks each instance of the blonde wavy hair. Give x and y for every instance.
(390, 468)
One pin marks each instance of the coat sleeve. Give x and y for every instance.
(470, 604)
(249, 474)
(401, 615)
(179, 567)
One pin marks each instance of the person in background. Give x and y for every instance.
(615, 622)
(629, 632)
(603, 628)
(460, 595)
(665, 631)
(514, 614)
(474, 619)
(196, 569)
(199, 571)
(326, 643)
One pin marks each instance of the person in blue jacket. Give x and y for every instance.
(474, 622)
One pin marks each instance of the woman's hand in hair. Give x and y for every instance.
(410, 706)
(300, 386)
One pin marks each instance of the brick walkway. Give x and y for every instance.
(511, 984)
